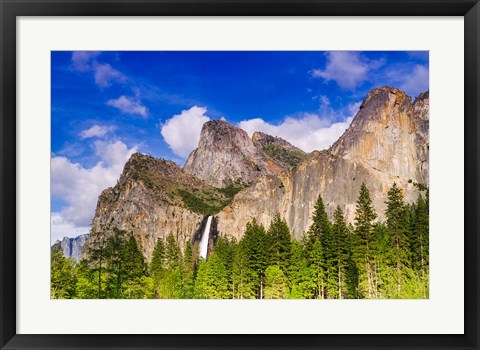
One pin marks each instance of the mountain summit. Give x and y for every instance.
(227, 155)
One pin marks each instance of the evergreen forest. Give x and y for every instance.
(367, 259)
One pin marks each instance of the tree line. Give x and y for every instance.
(333, 260)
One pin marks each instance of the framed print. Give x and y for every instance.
(249, 175)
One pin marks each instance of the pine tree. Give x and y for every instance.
(188, 272)
(134, 264)
(257, 250)
(243, 277)
(321, 224)
(169, 285)
(116, 243)
(87, 281)
(157, 264)
(212, 279)
(315, 263)
(301, 278)
(420, 236)
(62, 275)
(97, 253)
(275, 283)
(364, 239)
(319, 234)
(280, 243)
(397, 226)
(172, 253)
(343, 257)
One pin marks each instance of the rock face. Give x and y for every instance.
(154, 198)
(421, 107)
(386, 142)
(73, 247)
(226, 155)
(286, 154)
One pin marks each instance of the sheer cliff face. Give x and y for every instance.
(421, 108)
(386, 142)
(226, 155)
(382, 135)
(154, 198)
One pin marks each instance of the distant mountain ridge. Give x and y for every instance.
(73, 247)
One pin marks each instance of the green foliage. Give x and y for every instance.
(243, 276)
(198, 204)
(280, 244)
(63, 278)
(157, 264)
(364, 241)
(231, 190)
(333, 260)
(275, 283)
(289, 156)
(397, 228)
(321, 224)
(302, 278)
(212, 279)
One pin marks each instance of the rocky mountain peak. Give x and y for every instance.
(227, 155)
(382, 135)
(155, 197)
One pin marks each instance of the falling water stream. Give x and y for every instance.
(205, 238)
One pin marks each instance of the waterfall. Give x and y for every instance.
(205, 238)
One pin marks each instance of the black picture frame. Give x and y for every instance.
(10, 10)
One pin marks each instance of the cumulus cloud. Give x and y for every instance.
(60, 228)
(348, 69)
(128, 105)
(308, 133)
(311, 131)
(105, 74)
(96, 131)
(79, 187)
(182, 131)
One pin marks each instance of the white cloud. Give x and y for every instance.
(128, 105)
(348, 69)
(96, 131)
(60, 228)
(82, 60)
(311, 131)
(416, 82)
(80, 187)
(105, 74)
(182, 131)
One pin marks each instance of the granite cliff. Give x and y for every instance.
(238, 178)
(155, 197)
(387, 141)
(226, 155)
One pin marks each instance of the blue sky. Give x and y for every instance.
(107, 105)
